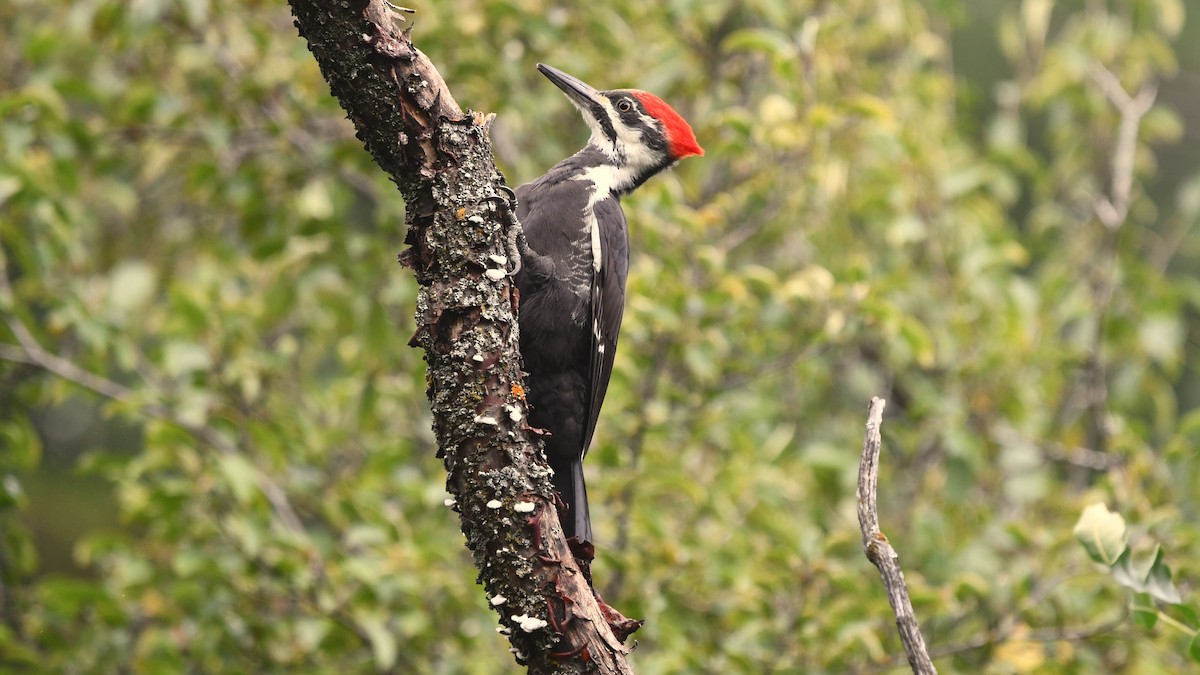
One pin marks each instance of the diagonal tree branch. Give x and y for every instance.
(1112, 212)
(879, 550)
(461, 232)
(29, 351)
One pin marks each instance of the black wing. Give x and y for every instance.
(608, 307)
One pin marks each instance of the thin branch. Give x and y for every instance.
(31, 352)
(1004, 635)
(1063, 634)
(15, 354)
(1114, 208)
(879, 550)
(1089, 393)
(56, 365)
(1080, 456)
(1074, 455)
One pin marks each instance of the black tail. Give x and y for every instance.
(576, 521)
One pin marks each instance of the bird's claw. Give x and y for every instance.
(515, 245)
(508, 200)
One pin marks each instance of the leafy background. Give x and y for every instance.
(228, 466)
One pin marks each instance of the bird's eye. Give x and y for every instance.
(624, 105)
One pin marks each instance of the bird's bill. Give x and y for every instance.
(581, 93)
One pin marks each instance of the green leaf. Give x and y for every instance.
(11, 493)
(919, 341)
(132, 284)
(383, 643)
(1161, 336)
(1127, 574)
(1036, 16)
(21, 445)
(1144, 611)
(1190, 616)
(70, 596)
(9, 186)
(241, 475)
(17, 654)
(1102, 533)
(1187, 200)
(1194, 648)
(1158, 580)
(313, 201)
(182, 357)
(757, 40)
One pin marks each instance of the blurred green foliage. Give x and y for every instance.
(185, 214)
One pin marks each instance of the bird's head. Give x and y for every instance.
(635, 130)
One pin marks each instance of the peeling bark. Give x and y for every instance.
(460, 225)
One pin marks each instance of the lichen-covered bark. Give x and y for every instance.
(459, 225)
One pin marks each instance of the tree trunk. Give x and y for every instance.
(460, 229)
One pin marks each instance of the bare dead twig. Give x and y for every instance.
(1089, 392)
(1114, 208)
(1073, 455)
(879, 550)
(1060, 634)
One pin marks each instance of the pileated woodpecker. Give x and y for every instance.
(572, 279)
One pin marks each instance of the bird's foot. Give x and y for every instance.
(515, 245)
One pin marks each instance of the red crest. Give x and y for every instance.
(679, 133)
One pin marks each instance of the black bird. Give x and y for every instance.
(572, 280)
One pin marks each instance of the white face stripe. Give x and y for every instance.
(628, 148)
(637, 155)
(599, 138)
